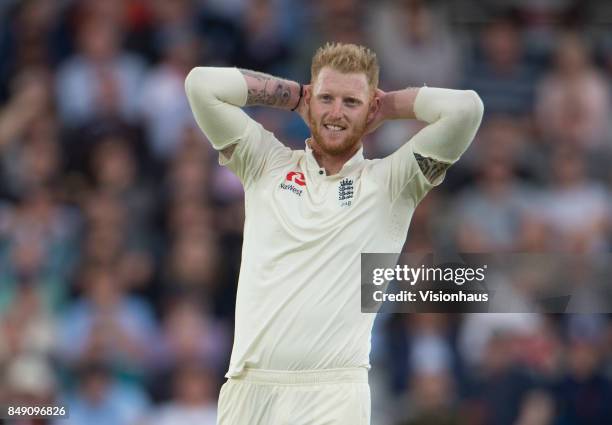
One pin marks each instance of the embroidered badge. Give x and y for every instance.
(345, 192)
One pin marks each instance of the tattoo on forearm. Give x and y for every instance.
(257, 75)
(272, 91)
(228, 151)
(431, 168)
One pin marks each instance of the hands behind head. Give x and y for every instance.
(376, 115)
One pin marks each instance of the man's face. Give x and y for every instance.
(338, 112)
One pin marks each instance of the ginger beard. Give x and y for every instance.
(336, 143)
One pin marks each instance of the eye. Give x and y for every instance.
(351, 102)
(325, 97)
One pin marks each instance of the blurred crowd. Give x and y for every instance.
(120, 236)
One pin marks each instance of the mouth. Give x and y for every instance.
(335, 128)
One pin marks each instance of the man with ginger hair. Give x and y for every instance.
(301, 345)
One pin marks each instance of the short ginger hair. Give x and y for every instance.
(348, 59)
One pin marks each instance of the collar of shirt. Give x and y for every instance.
(315, 170)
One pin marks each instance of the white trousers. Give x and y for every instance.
(318, 397)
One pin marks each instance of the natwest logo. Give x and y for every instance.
(296, 177)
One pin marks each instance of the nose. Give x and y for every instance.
(336, 109)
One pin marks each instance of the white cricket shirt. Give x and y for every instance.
(298, 302)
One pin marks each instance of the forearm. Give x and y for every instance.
(399, 104)
(266, 90)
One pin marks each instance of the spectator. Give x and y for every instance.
(100, 80)
(572, 197)
(489, 214)
(27, 328)
(39, 246)
(477, 329)
(501, 75)
(30, 381)
(188, 178)
(415, 46)
(107, 325)
(189, 334)
(116, 173)
(117, 239)
(497, 389)
(30, 102)
(573, 99)
(101, 399)
(192, 265)
(30, 37)
(432, 400)
(193, 401)
(164, 106)
(265, 46)
(584, 392)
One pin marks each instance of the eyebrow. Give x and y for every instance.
(351, 98)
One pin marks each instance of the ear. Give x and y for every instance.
(307, 93)
(374, 107)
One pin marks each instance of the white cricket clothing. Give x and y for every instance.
(298, 301)
(298, 305)
(213, 95)
(259, 397)
(454, 115)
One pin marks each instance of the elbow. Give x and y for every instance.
(191, 81)
(471, 108)
(477, 107)
(198, 87)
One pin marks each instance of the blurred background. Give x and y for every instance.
(120, 235)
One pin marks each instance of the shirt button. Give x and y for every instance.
(321, 172)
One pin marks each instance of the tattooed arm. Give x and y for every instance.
(266, 90)
(392, 106)
(432, 169)
(216, 96)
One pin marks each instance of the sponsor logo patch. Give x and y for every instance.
(296, 177)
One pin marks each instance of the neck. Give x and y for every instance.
(332, 163)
